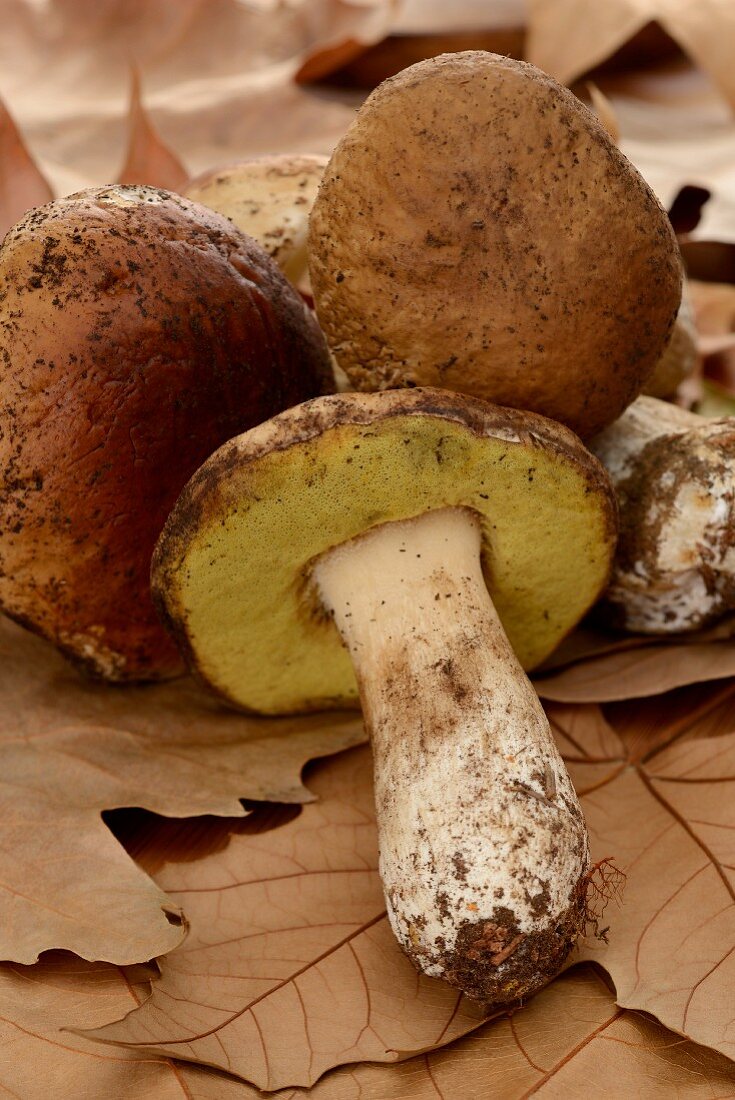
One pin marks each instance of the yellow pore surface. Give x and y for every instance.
(242, 590)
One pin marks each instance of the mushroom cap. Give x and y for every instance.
(138, 331)
(477, 229)
(231, 572)
(271, 199)
(680, 358)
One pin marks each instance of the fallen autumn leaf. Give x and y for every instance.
(290, 969)
(22, 185)
(571, 1040)
(636, 672)
(567, 38)
(148, 159)
(70, 749)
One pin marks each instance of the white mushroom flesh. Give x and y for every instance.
(483, 846)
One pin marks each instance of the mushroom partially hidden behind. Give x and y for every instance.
(674, 475)
(271, 199)
(377, 542)
(138, 332)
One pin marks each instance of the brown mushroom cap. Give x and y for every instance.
(138, 331)
(477, 229)
(232, 569)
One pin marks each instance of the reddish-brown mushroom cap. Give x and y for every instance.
(138, 332)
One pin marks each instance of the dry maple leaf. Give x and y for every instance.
(148, 159)
(572, 1040)
(21, 183)
(290, 969)
(663, 804)
(635, 671)
(70, 749)
(218, 76)
(38, 1002)
(569, 37)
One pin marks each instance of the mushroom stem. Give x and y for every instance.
(483, 846)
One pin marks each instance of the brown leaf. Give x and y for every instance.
(638, 670)
(41, 1058)
(148, 159)
(571, 1041)
(22, 185)
(604, 110)
(571, 1038)
(70, 749)
(218, 77)
(290, 967)
(659, 796)
(567, 39)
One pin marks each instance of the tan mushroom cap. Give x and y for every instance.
(231, 571)
(477, 229)
(138, 332)
(271, 199)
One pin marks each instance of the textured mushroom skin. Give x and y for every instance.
(674, 475)
(477, 229)
(138, 332)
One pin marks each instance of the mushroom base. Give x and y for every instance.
(493, 962)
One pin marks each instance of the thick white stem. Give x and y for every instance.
(483, 847)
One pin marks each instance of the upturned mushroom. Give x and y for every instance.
(674, 475)
(271, 199)
(138, 331)
(477, 229)
(377, 542)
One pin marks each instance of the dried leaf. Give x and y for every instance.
(663, 803)
(21, 183)
(604, 110)
(572, 1037)
(148, 159)
(571, 1041)
(567, 38)
(37, 1002)
(218, 77)
(70, 749)
(290, 969)
(636, 672)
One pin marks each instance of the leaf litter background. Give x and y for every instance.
(287, 971)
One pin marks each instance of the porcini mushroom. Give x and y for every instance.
(138, 331)
(408, 525)
(271, 199)
(477, 229)
(674, 475)
(680, 358)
